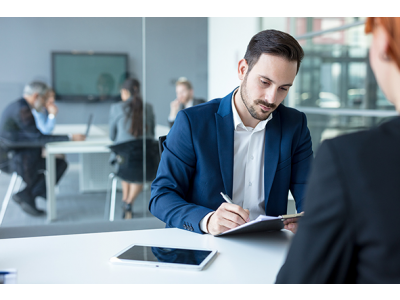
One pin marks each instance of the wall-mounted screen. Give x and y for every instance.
(91, 77)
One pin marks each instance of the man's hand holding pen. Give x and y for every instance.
(226, 217)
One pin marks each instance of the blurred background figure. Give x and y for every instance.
(126, 124)
(45, 118)
(184, 99)
(18, 127)
(349, 231)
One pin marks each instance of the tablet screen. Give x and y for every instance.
(167, 255)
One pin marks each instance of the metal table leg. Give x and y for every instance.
(50, 187)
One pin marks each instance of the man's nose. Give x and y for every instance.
(270, 95)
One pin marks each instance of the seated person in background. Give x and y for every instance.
(17, 125)
(349, 231)
(247, 145)
(184, 99)
(125, 124)
(46, 118)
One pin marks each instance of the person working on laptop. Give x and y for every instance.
(17, 125)
(246, 145)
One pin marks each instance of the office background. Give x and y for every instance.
(335, 86)
(175, 47)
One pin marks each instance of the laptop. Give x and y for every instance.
(89, 123)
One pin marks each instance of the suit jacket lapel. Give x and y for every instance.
(225, 135)
(271, 154)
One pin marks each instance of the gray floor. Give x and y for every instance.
(76, 212)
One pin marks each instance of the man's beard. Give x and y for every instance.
(251, 108)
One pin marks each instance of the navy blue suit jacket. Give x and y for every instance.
(197, 163)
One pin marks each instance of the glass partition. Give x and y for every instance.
(156, 53)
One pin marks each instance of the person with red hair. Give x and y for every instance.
(348, 233)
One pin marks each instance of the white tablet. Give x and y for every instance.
(164, 257)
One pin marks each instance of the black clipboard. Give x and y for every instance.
(260, 226)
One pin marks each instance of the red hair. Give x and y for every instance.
(392, 27)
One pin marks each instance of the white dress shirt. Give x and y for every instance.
(44, 122)
(248, 167)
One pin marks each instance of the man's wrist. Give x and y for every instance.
(204, 222)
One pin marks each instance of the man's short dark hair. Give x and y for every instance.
(273, 42)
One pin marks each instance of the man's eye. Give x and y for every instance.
(264, 82)
(285, 89)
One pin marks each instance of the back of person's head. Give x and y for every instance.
(36, 87)
(392, 27)
(132, 86)
(273, 42)
(184, 81)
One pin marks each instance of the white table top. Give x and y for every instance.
(84, 258)
(96, 142)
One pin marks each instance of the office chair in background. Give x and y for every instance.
(129, 166)
(161, 140)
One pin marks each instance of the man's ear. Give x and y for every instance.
(242, 69)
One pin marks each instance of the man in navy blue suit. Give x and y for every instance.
(246, 145)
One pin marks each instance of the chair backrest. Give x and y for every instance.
(161, 140)
(129, 166)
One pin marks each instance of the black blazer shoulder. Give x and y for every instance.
(349, 231)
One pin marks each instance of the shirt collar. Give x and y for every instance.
(189, 103)
(237, 121)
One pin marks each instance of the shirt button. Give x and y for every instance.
(250, 183)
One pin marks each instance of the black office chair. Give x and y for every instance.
(129, 166)
(161, 140)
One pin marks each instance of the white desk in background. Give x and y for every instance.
(84, 258)
(96, 142)
(93, 151)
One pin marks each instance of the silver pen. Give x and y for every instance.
(226, 198)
